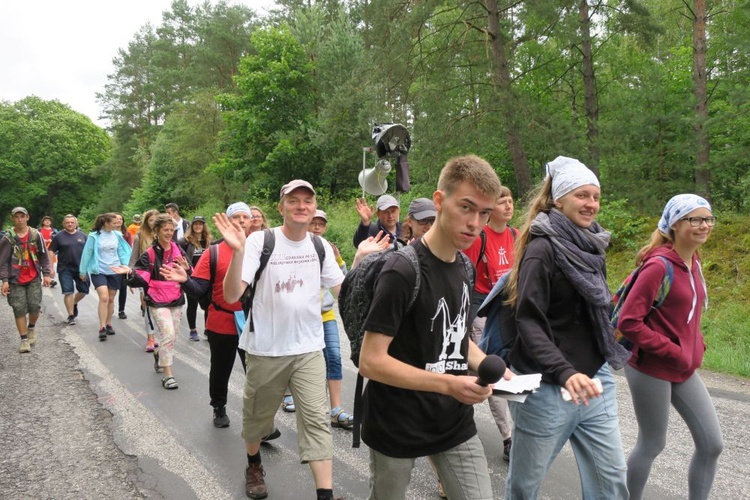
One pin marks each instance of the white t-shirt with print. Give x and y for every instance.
(286, 307)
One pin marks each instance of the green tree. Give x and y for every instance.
(48, 153)
(270, 122)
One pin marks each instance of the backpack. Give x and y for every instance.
(499, 334)
(206, 299)
(33, 241)
(482, 257)
(619, 297)
(355, 298)
(269, 242)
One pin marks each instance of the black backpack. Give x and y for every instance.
(355, 298)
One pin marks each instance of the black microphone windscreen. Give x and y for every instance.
(490, 370)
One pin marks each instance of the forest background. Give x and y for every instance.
(217, 104)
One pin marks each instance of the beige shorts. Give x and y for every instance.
(305, 374)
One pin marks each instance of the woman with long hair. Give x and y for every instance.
(105, 248)
(258, 220)
(164, 298)
(142, 242)
(668, 346)
(559, 291)
(122, 297)
(196, 241)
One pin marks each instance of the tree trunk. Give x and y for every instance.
(589, 84)
(501, 77)
(702, 173)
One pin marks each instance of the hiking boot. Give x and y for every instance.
(71, 320)
(122, 315)
(274, 435)
(255, 485)
(25, 346)
(110, 330)
(32, 336)
(194, 336)
(150, 345)
(102, 334)
(506, 449)
(221, 419)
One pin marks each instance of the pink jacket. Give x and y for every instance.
(668, 343)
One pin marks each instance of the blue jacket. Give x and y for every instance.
(90, 257)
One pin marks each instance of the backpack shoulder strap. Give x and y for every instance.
(481, 257)
(318, 243)
(213, 257)
(469, 267)
(269, 242)
(411, 256)
(514, 232)
(666, 281)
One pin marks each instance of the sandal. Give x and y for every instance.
(169, 383)
(288, 404)
(158, 368)
(339, 418)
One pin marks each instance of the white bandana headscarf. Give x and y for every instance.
(678, 207)
(568, 174)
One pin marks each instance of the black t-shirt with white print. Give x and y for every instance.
(403, 423)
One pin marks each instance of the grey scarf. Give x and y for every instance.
(579, 253)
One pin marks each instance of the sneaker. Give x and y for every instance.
(75, 310)
(25, 346)
(71, 320)
(150, 345)
(221, 419)
(506, 449)
(274, 435)
(32, 336)
(288, 404)
(110, 330)
(194, 336)
(102, 334)
(255, 485)
(122, 315)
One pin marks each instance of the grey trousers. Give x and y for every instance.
(462, 470)
(651, 401)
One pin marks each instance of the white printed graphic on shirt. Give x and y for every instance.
(453, 331)
(502, 256)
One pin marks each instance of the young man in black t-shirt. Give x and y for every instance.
(419, 398)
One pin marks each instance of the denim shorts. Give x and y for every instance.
(332, 351)
(111, 281)
(70, 281)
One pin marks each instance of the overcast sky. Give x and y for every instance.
(63, 49)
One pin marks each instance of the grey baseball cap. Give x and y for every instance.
(296, 183)
(422, 208)
(19, 209)
(319, 214)
(386, 201)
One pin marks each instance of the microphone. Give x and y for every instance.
(490, 370)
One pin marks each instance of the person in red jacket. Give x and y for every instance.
(668, 346)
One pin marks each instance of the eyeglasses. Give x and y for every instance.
(428, 220)
(318, 223)
(697, 221)
(256, 217)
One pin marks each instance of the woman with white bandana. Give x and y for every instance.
(559, 291)
(668, 346)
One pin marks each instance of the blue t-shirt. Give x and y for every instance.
(69, 248)
(107, 252)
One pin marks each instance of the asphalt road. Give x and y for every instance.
(88, 419)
